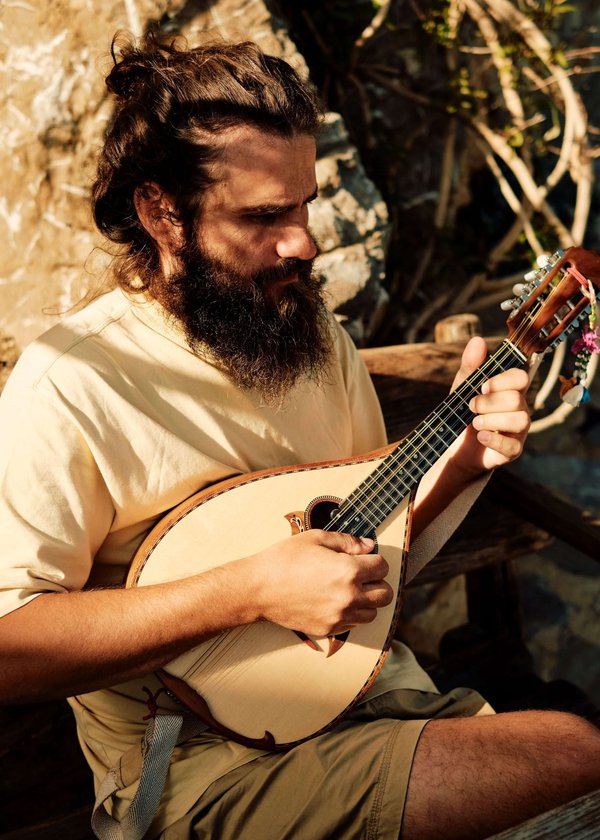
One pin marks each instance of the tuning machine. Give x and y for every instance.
(533, 278)
(521, 292)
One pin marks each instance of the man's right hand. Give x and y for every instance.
(319, 582)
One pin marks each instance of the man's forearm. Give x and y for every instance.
(318, 582)
(58, 645)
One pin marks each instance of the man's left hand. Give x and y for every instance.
(498, 432)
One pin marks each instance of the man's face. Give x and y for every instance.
(243, 288)
(256, 214)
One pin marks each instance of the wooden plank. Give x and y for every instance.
(548, 510)
(410, 380)
(577, 820)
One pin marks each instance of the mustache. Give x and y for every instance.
(284, 268)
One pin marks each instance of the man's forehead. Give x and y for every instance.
(257, 168)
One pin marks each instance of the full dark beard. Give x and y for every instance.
(264, 336)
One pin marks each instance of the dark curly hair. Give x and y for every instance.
(171, 103)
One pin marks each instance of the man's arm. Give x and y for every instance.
(60, 644)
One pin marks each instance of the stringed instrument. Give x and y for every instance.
(269, 687)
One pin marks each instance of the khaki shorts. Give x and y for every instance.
(347, 784)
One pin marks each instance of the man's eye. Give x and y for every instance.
(265, 218)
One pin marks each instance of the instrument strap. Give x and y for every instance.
(149, 761)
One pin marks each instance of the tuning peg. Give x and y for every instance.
(534, 277)
(508, 305)
(520, 289)
(543, 260)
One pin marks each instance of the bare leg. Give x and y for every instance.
(473, 777)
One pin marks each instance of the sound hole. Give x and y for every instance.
(319, 516)
(320, 513)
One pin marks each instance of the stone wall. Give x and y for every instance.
(53, 115)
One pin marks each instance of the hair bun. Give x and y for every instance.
(135, 67)
(129, 78)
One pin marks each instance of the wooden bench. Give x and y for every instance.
(46, 789)
(576, 820)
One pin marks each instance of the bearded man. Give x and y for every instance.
(214, 356)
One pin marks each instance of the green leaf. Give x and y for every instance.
(561, 58)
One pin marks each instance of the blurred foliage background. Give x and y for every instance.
(478, 121)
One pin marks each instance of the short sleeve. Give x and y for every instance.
(55, 510)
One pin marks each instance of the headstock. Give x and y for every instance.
(553, 300)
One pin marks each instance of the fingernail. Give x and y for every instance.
(485, 388)
(367, 542)
(472, 406)
(484, 437)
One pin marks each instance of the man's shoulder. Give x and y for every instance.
(77, 337)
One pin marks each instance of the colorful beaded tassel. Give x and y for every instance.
(573, 391)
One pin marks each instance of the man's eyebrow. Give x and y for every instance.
(274, 207)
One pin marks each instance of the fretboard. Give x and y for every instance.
(399, 473)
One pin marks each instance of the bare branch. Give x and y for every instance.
(503, 65)
(574, 138)
(370, 30)
(395, 86)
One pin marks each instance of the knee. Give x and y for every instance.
(571, 729)
(573, 743)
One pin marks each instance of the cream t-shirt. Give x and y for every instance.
(107, 422)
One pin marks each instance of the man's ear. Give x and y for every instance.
(156, 212)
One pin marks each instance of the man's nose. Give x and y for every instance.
(296, 242)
